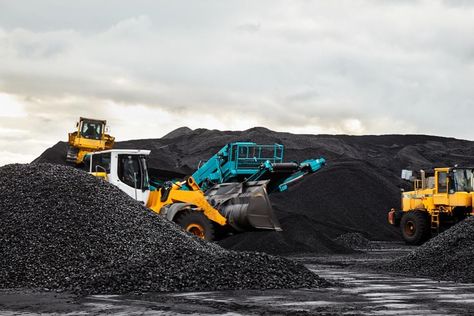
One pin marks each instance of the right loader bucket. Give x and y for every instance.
(246, 206)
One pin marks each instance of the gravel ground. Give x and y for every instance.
(62, 229)
(448, 256)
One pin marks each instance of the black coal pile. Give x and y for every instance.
(448, 256)
(353, 193)
(299, 236)
(63, 229)
(347, 196)
(355, 241)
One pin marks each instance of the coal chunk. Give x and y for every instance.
(63, 229)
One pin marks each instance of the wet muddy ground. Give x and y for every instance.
(358, 290)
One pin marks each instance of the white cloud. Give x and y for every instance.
(10, 106)
(342, 66)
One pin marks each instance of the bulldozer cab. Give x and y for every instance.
(91, 129)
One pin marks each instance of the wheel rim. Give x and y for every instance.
(196, 230)
(410, 228)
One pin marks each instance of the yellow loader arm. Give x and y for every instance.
(166, 196)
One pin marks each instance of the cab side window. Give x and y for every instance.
(129, 171)
(101, 162)
(442, 182)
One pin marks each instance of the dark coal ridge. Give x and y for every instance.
(360, 183)
(300, 235)
(62, 229)
(448, 256)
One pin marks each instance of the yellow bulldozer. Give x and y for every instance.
(90, 136)
(436, 203)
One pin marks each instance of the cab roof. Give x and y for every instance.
(124, 151)
(92, 120)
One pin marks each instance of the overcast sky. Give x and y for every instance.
(148, 67)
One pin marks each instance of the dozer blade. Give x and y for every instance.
(246, 206)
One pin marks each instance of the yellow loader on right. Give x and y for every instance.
(435, 204)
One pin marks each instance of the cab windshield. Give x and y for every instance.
(91, 130)
(463, 180)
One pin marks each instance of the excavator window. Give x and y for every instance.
(91, 130)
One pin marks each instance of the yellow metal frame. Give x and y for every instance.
(194, 197)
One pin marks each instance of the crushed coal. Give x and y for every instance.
(344, 197)
(355, 241)
(299, 236)
(448, 256)
(351, 194)
(63, 229)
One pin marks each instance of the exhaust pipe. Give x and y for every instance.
(246, 206)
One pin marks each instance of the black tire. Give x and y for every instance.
(196, 223)
(415, 227)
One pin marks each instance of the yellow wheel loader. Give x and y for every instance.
(236, 207)
(436, 203)
(90, 136)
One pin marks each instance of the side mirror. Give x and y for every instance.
(107, 129)
(77, 124)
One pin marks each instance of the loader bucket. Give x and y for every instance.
(246, 206)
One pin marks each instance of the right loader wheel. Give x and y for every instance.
(196, 223)
(415, 227)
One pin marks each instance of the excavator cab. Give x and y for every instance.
(90, 136)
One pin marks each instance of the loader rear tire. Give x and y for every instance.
(196, 223)
(415, 227)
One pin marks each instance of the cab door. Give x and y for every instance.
(441, 188)
(132, 177)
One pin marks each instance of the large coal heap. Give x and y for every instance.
(61, 228)
(448, 256)
(352, 194)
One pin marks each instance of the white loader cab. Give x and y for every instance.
(124, 168)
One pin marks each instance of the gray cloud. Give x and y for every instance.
(341, 66)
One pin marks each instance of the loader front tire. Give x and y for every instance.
(415, 227)
(196, 223)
